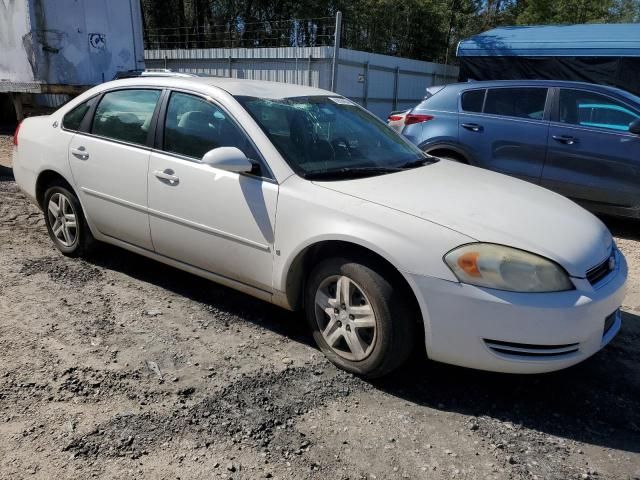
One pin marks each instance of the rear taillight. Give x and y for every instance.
(394, 118)
(412, 118)
(15, 135)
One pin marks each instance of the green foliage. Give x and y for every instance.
(421, 29)
(578, 11)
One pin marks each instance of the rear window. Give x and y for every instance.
(516, 102)
(473, 100)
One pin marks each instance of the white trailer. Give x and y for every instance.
(66, 46)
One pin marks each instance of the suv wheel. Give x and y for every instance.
(358, 319)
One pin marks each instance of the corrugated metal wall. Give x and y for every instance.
(301, 65)
(381, 83)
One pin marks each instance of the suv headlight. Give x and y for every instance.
(506, 268)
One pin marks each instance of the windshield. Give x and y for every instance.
(320, 135)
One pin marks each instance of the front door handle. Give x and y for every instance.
(566, 139)
(167, 176)
(474, 127)
(80, 153)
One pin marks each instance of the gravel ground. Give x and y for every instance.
(119, 367)
(6, 144)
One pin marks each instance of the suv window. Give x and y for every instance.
(73, 119)
(590, 109)
(443, 100)
(194, 126)
(125, 115)
(472, 100)
(527, 102)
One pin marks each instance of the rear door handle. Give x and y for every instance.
(566, 139)
(167, 175)
(474, 127)
(80, 153)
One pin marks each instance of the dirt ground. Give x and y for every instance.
(120, 367)
(6, 145)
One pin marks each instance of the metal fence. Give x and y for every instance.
(380, 83)
(308, 32)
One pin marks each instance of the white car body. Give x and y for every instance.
(396, 120)
(250, 234)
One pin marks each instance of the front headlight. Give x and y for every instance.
(506, 268)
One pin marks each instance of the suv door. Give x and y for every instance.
(592, 157)
(506, 129)
(219, 221)
(109, 160)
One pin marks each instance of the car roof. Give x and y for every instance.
(542, 83)
(233, 86)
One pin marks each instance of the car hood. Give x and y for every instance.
(490, 207)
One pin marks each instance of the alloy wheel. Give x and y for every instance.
(63, 219)
(345, 318)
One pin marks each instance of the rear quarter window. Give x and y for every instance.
(73, 119)
(444, 101)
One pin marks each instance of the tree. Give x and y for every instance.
(420, 29)
(535, 12)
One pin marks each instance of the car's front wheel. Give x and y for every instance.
(65, 221)
(360, 321)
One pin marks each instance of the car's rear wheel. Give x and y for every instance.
(65, 221)
(358, 319)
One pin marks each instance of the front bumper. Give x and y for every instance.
(519, 332)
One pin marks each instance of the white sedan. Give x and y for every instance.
(301, 198)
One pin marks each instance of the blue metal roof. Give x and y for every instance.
(589, 40)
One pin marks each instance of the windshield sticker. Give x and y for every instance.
(341, 101)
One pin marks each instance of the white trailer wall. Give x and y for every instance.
(67, 42)
(14, 26)
(381, 83)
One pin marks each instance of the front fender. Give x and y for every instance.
(308, 214)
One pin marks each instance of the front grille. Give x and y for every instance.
(529, 350)
(599, 272)
(609, 321)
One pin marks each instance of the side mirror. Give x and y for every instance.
(230, 159)
(634, 127)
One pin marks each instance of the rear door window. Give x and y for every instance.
(527, 102)
(589, 109)
(473, 100)
(125, 115)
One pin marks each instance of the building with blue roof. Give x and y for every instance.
(607, 54)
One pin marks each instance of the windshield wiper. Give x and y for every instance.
(419, 163)
(350, 172)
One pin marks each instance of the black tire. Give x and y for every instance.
(83, 240)
(395, 318)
